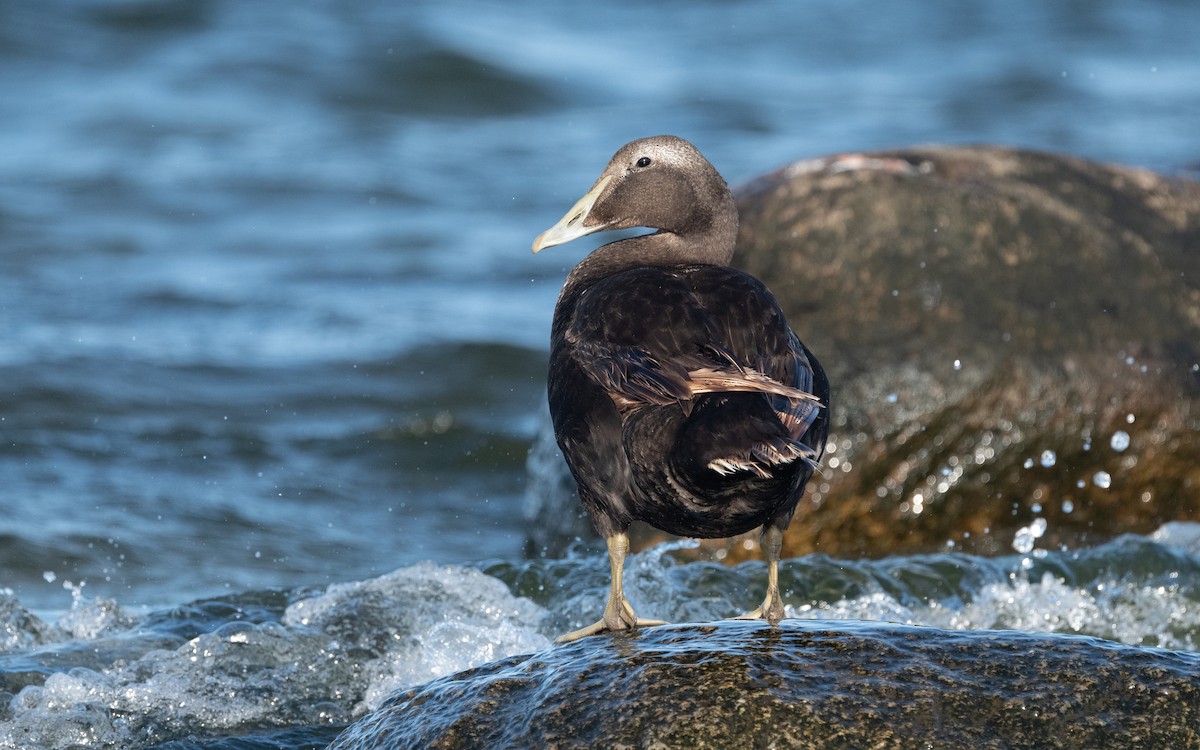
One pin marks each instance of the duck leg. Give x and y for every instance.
(771, 609)
(618, 615)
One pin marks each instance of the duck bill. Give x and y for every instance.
(574, 224)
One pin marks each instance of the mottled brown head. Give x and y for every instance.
(660, 183)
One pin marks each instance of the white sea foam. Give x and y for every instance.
(437, 619)
(334, 656)
(1155, 608)
(1132, 613)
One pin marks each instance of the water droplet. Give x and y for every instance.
(891, 398)
(1036, 508)
(1026, 535)
(1067, 506)
(1048, 458)
(1022, 541)
(1120, 441)
(1028, 463)
(1102, 479)
(49, 576)
(957, 365)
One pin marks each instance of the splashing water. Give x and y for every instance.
(321, 660)
(103, 677)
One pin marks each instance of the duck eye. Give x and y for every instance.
(644, 161)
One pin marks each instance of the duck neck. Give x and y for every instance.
(711, 246)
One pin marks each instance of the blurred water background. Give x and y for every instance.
(268, 316)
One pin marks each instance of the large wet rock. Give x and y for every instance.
(804, 684)
(1010, 336)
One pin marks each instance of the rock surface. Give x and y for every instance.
(1010, 336)
(997, 324)
(805, 684)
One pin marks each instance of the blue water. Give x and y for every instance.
(268, 316)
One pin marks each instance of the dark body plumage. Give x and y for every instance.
(679, 395)
(637, 333)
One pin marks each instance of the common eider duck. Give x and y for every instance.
(679, 395)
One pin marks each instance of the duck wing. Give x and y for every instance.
(657, 336)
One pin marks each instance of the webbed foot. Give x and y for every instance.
(618, 614)
(606, 626)
(770, 610)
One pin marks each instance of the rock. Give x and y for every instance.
(805, 684)
(1010, 335)
(997, 325)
